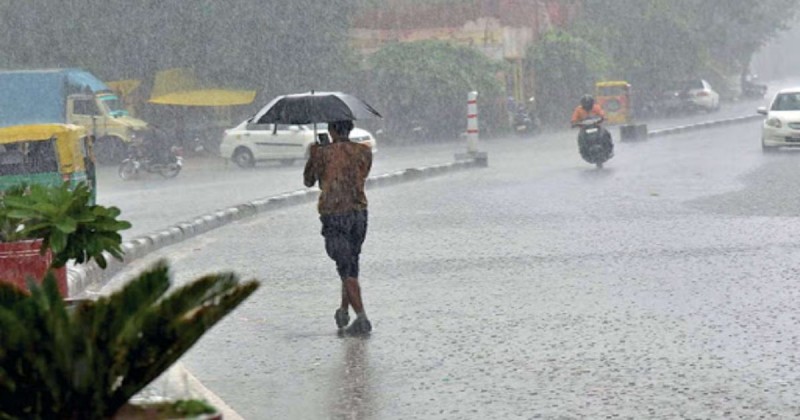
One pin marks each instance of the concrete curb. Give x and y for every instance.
(82, 277)
(703, 125)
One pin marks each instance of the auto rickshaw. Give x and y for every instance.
(615, 99)
(46, 154)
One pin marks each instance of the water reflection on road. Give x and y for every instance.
(352, 394)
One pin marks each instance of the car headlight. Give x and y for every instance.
(774, 122)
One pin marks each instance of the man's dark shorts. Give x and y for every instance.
(344, 233)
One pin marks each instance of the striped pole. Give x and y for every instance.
(472, 122)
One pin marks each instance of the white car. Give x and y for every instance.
(700, 93)
(782, 125)
(248, 143)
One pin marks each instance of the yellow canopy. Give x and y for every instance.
(67, 136)
(206, 97)
(179, 86)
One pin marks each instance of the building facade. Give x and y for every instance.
(501, 29)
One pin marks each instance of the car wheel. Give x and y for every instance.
(244, 158)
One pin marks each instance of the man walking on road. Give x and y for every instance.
(341, 168)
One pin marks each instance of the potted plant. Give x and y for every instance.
(88, 361)
(42, 228)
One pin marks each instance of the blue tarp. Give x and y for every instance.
(40, 96)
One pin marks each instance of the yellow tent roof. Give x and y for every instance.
(206, 97)
(179, 86)
(612, 83)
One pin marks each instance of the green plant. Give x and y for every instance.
(166, 410)
(426, 83)
(64, 219)
(86, 362)
(566, 68)
(191, 407)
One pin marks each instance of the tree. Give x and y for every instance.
(427, 82)
(656, 43)
(651, 43)
(566, 68)
(738, 29)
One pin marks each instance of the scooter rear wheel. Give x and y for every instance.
(170, 170)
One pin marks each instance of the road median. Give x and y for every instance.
(703, 125)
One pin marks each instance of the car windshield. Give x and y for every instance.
(787, 102)
(693, 84)
(113, 105)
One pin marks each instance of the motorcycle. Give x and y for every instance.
(522, 120)
(591, 142)
(170, 167)
(523, 123)
(751, 89)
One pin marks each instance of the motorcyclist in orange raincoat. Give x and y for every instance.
(589, 108)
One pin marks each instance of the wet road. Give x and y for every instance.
(661, 287)
(208, 184)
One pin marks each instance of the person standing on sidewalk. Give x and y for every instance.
(341, 168)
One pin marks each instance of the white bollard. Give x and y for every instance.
(472, 123)
(480, 158)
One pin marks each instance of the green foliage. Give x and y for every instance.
(737, 29)
(65, 221)
(88, 361)
(427, 82)
(656, 43)
(566, 68)
(191, 408)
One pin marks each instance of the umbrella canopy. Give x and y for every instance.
(314, 107)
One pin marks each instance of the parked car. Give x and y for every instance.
(692, 96)
(781, 126)
(248, 143)
(701, 94)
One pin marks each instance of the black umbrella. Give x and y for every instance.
(314, 107)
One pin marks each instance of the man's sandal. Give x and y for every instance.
(342, 318)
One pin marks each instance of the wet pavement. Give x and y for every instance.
(208, 184)
(663, 286)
